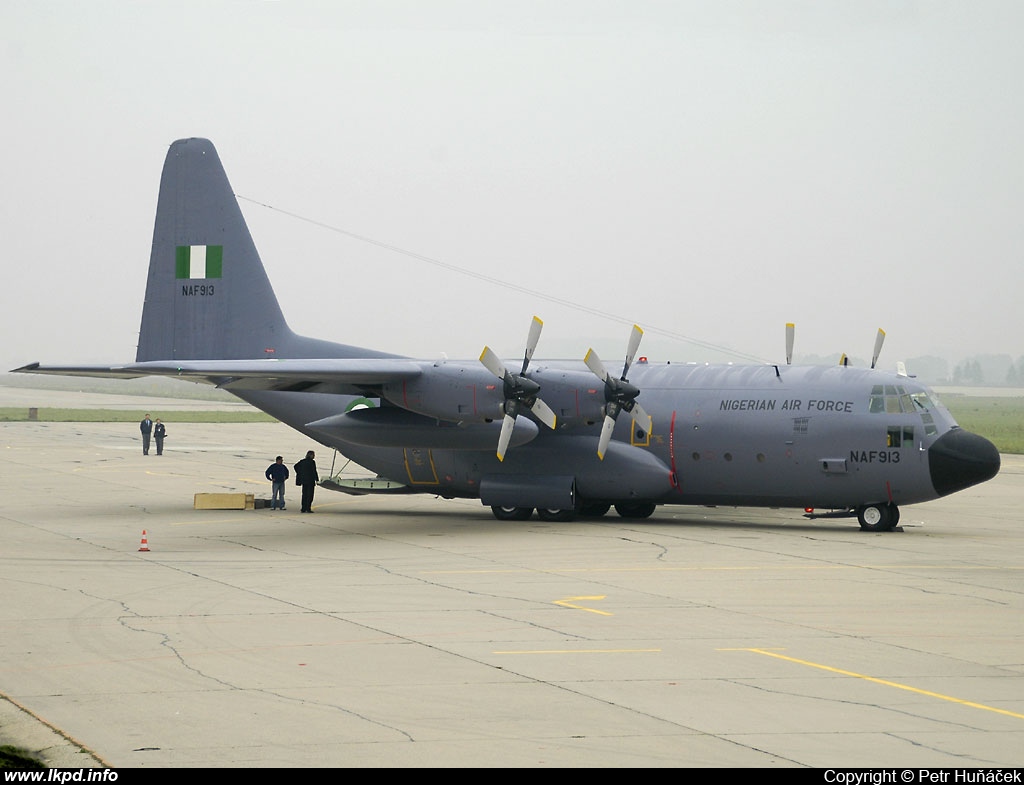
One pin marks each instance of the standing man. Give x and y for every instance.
(159, 432)
(146, 426)
(306, 476)
(277, 473)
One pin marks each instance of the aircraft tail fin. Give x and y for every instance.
(208, 296)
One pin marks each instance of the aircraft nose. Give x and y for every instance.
(960, 459)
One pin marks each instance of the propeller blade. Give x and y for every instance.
(531, 342)
(634, 344)
(879, 340)
(640, 417)
(544, 413)
(593, 362)
(790, 335)
(493, 363)
(506, 435)
(606, 436)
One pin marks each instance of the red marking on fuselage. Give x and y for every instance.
(672, 451)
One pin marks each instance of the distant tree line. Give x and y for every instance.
(982, 369)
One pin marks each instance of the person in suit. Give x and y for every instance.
(146, 426)
(307, 477)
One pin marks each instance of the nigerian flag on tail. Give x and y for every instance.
(198, 261)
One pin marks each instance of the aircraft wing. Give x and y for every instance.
(348, 376)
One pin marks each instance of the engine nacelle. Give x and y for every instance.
(451, 391)
(467, 392)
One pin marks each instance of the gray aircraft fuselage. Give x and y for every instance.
(821, 437)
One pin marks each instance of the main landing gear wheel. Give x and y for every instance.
(594, 509)
(512, 513)
(878, 517)
(635, 509)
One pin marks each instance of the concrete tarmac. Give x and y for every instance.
(412, 631)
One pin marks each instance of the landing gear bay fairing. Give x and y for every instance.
(564, 440)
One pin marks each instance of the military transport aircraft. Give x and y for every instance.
(563, 439)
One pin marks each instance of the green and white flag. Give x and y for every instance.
(198, 261)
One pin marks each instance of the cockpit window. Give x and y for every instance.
(877, 403)
(896, 399)
(922, 401)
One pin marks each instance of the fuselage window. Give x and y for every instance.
(900, 435)
(929, 424)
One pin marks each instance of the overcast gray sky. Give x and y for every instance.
(424, 177)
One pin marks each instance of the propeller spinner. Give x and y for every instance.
(519, 391)
(619, 394)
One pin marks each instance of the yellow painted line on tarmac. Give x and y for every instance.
(883, 682)
(570, 602)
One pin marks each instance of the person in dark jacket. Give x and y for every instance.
(307, 477)
(277, 473)
(159, 432)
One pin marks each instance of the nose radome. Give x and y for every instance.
(960, 459)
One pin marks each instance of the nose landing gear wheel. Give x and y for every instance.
(878, 517)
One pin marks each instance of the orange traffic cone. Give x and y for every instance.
(145, 543)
